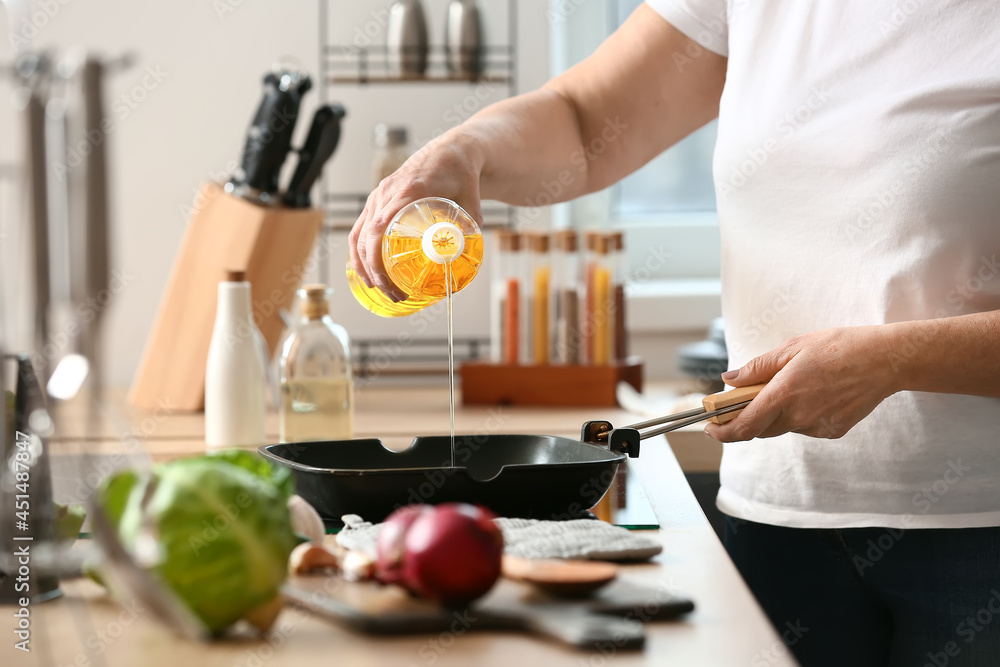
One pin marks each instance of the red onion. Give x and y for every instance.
(452, 553)
(389, 547)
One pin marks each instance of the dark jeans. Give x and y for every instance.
(876, 596)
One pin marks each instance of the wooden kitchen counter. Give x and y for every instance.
(86, 628)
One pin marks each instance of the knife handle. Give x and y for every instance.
(270, 135)
(724, 399)
(321, 142)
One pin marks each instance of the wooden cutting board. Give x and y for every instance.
(612, 614)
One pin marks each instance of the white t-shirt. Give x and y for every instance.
(857, 173)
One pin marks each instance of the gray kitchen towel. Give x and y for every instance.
(583, 539)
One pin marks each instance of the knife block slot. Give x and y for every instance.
(272, 245)
(548, 385)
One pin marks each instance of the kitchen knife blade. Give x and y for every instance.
(324, 134)
(269, 137)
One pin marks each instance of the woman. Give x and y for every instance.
(858, 179)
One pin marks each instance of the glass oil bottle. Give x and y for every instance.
(317, 393)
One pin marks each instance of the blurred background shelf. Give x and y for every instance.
(363, 65)
(342, 209)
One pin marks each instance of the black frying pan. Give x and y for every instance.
(530, 476)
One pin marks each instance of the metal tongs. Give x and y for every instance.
(718, 408)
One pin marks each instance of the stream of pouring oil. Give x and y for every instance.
(451, 358)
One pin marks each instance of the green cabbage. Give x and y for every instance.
(221, 526)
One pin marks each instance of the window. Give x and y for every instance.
(668, 202)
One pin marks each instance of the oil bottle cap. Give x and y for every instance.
(315, 302)
(443, 242)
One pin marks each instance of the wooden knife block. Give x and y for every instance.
(272, 245)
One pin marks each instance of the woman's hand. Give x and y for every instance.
(820, 384)
(446, 167)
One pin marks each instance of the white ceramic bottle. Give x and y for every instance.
(235, 378)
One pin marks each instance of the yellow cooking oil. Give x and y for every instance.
(416, 245)
(417, 275)
(316, 408)
(377, 302)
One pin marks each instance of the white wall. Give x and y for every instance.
(190, 127)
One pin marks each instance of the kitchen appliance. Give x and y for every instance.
(530, 476)
(463, 39)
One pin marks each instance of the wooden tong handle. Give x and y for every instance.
(724, 399)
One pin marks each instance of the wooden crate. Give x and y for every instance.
(565, 386)
(272, 245)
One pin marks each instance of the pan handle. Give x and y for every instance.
(719, 408)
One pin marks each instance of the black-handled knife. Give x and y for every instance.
(270, 136)
(321, 142)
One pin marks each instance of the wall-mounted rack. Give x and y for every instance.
(370, 64)
(350, 65)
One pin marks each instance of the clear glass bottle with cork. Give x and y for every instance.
(317, 390)
(505, 295)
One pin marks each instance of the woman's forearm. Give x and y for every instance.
(523, 147)
(599, 121)
(951, 355)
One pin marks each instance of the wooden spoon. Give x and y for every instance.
(564, 578)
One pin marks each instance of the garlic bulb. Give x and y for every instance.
(309, 557)
(305, 519)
